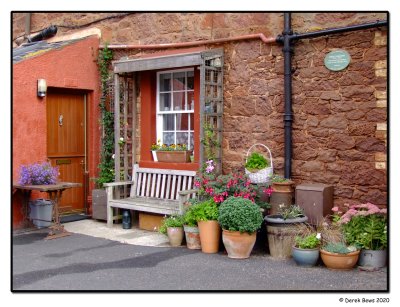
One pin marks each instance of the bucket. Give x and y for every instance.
(41, 212)
(372, 258)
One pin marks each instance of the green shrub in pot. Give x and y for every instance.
(239, 214)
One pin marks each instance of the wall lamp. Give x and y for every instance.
(41, 87)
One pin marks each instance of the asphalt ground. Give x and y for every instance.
(84, 263)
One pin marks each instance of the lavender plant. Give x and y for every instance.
(38, 173)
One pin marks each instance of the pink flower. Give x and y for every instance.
(335, 209)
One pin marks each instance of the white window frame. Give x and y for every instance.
(159, 115)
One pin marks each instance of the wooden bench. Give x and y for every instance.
(152, 190)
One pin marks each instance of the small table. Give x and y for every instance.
(55, 192)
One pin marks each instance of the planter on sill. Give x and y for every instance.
(178, 156)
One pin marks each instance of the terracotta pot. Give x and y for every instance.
(283, 186)
(335, 261)
(178, 156)
(238, 245)
(192, 236)
(175, 235)
(210, 232)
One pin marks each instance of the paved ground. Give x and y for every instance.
(81, 262)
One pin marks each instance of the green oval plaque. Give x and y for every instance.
(337, 60)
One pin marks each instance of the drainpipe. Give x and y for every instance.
(27, 24)
(288, 116)
(44, 34)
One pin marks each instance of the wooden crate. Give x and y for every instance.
(150, 221)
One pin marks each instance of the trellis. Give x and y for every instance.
(210, 63)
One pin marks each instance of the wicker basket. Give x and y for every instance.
(264, 175)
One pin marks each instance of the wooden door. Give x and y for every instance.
(66, 145)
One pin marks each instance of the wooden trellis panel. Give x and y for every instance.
(124, 125)
(212, 107)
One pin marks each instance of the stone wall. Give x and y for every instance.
(339, 128)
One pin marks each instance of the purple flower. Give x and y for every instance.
(38, 173)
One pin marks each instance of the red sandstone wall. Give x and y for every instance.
(76, 62)
(340, 117)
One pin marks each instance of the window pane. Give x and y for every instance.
(165, 82)
(179, 81)
(168, 138)
(190, 100)
(182, 121)
(191, 121)
(179, 101)
(168, 120)
(191, 146)
(190, 80)
(165, 102)
(182, 138)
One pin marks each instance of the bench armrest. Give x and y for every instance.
(188, 192)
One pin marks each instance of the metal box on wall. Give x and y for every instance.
(316, 199)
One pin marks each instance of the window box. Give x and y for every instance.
(174, 156)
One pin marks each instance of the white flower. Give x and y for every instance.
(121, 139)
(318, 236)
(113, 156)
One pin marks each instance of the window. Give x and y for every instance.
(175, 107)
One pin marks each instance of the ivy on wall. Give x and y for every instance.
(106, 166)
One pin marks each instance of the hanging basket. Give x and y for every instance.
(264, 175)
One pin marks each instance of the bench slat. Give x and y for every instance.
(148, 185)
(168, 190)
(143, 184)
(153, 184)
(172, 194)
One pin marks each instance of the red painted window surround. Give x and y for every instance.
(148, 90)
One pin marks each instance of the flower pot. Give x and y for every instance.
(305, 257)
(238, 245)
(174, 156)
(281, 234)
(192, 236)
(286, 186)
(175, 235)
(336, 261)
(210, 232)
(372, 259)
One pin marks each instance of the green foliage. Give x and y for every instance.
(106, 166)
(189, 218)
(367, 232)
(239, 214)
(280, 179)
(205, 211)
(291, 212)
(337, 248)
(256, 162)
(308, 242)
(171, 221)
(210, 141)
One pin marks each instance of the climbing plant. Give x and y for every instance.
(106, 166)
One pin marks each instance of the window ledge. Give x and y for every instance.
(193, 166)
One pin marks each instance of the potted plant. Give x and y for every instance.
(282, 228)
(305, 251)
(206, 216)
(282, 192)
(365, 226)
(172, 226)
(173, 153)
(257, 167)
(239, 218)
(191, 229)
(339, 256)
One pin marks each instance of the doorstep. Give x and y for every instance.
(133, 236)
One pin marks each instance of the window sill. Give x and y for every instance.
(193, 166)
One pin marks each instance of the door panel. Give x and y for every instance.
(66, 144)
